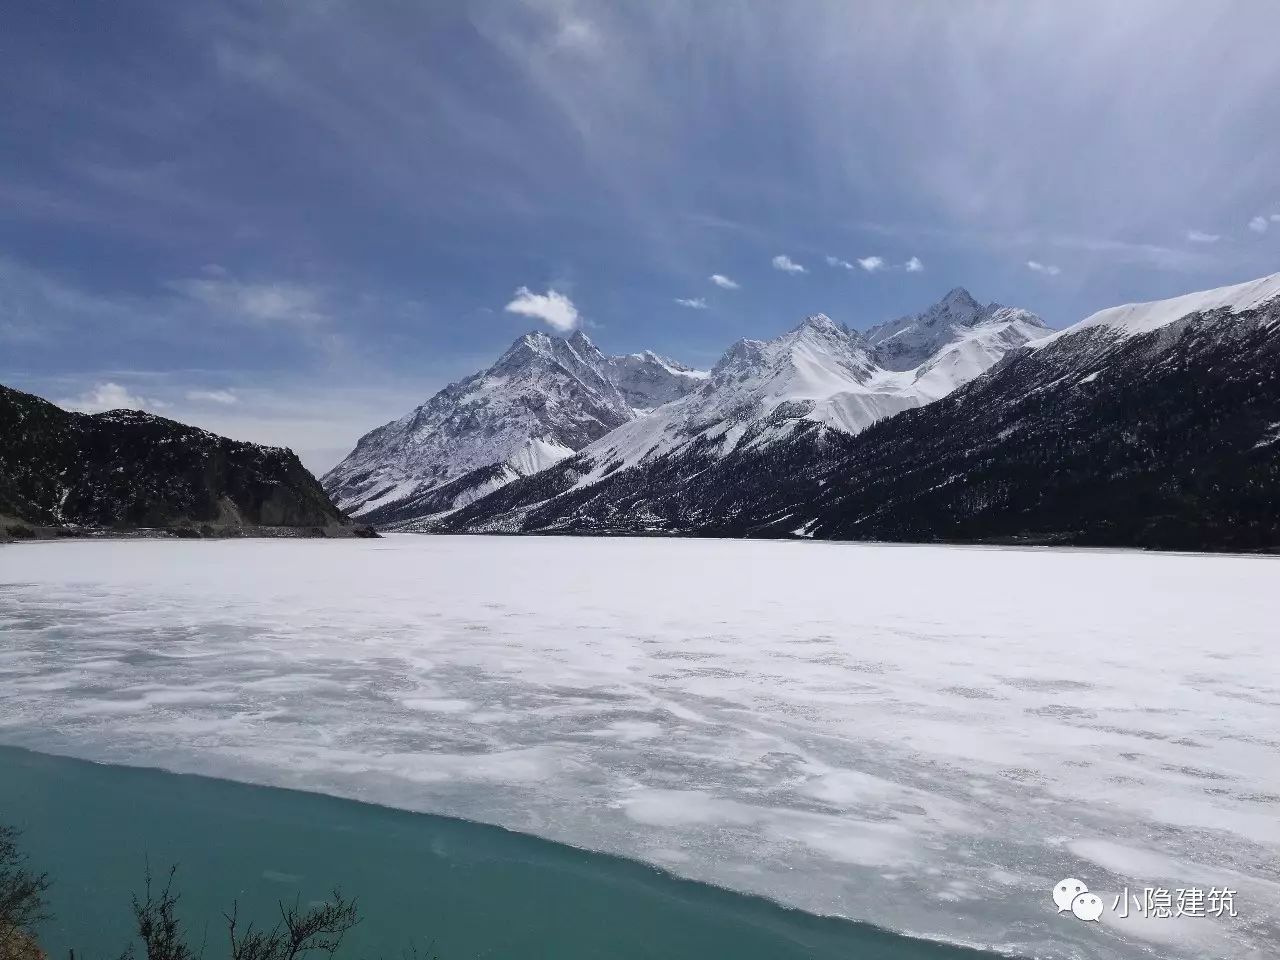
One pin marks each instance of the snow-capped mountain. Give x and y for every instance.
(545, 398)
(957, 318)
(818, 377)
(647, 380)
(819, 373)
(1152, 425)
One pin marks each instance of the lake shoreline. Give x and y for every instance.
(878, 941)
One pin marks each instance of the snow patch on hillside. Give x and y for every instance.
(538, 454)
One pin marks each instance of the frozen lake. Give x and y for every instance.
(926, 738)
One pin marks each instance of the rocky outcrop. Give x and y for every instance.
(127, 470)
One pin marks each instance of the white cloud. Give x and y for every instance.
(576, 34)
(1258, 224)
(694, 303)
(109, 396)
(1199, 236)
(873, 264)
(787, 265)
(278, 302)
(552, 308)
(224, 397)
(723, 282)
(1046, 268)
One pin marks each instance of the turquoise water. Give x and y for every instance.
(470, 890)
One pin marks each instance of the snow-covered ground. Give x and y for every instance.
(927, 738)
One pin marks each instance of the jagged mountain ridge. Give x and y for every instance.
(819, 375)
(909, 341)
(126, 468)
(1085, 436)
(543, 399)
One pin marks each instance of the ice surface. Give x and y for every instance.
(924, 737)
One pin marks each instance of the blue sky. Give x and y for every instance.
(290, 222)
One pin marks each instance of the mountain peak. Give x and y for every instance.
(909, 341)
(581, 346)
(958, 295)
(958, 307)
(535, 343)
(818, 322)
(544, 398)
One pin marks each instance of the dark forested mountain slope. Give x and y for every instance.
(1154, 425)
(125, 469)
(1167, 439)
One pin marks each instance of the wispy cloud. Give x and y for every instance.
(1258, 224)
(1045, 268)
(276, 302)
(723, 282)
(68, 322)
(162, 349)
(552, 308)
(109, 396)
(1019, 242)
(874, 264)
(787, 265)
(1199, 236)
(577, 34)
(223, 397)
(693, 303)
(41, 308)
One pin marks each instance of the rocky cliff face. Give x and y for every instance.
(127, 469)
